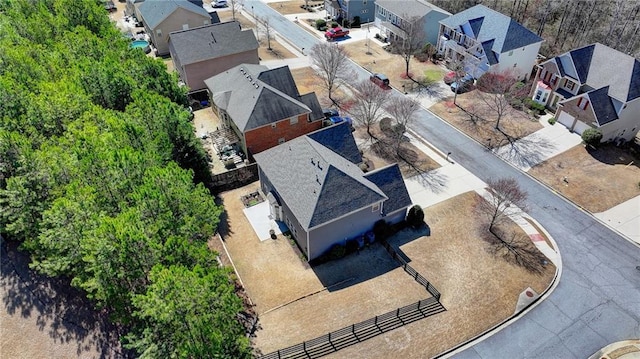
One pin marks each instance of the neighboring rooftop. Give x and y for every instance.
(255, 96)
(212, 41)
(591, 66)
(485, 24)
(417, 8)
(155, 11)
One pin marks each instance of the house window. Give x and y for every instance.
(364, 2)
(293, 120)
(206, 22)
(281, 140)
(185, 26)
(273, 125)
(159, 33)
(538, 94)
(510, 52)
(570, 85)
(364, 11)
(375, 207)
(515, 65)
(582, 103)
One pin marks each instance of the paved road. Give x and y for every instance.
(597, 300)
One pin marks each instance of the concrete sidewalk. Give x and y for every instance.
(625, 218)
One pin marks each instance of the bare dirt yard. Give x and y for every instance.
(44, 317)
(473, 117)
(308, 80)
(596, 179)
(296, 302)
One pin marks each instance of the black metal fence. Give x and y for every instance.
(409, 269)
(356, 333)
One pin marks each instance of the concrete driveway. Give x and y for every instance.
(625, 218)
(539, 146)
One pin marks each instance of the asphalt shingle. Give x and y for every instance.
(212, 41)
(153, 12)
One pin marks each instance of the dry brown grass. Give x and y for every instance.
(227, 15)
(478, 289)
(308, 80)
(515, 123)
(381, 61)
(292, 7)
(596, 179)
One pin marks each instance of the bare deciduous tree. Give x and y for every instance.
(506, 199)
(235, 6)
(369, 101)
(265, 25)
(412, 40)
(332, 62)
(495, 91)
(403, 110)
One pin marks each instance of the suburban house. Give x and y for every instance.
(314, 185)
(392, 16)
(161, 17)
(132, 8)
(482, 40)
(262, 106)
(202, 52)
(349, 9)
(592, 87)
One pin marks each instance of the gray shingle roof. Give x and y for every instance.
(389, 180)
(339, 139)
(506, 33)
(155, 11)
(317, 184)
(417, 8)
(212, 41)
(592, 66)
(602, 105)
(253, 103)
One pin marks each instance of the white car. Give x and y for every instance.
(219, 3)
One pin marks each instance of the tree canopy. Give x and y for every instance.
(101, 179)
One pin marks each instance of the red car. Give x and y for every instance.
(380, 80)
(336, 33)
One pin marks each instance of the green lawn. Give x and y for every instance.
(433, 75)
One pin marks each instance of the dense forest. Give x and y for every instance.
(569, 24)
(101, 180)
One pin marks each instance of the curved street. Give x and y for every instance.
(597, 300)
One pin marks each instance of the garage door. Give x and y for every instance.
(566, 119)
(580, 127)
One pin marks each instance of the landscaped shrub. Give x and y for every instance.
(334, 25)
(422, 57)
(337, 251)
(592, 136)
(386, 125)
(321, 24)
(382, 230)
(537, 108)
(552, 121)
(415, 217)
(356, 21)
(398, 130)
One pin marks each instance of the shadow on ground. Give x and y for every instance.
(613, 155)
(58, 308)
(367, 263)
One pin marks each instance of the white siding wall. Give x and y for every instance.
(524, 58)
(629, 122)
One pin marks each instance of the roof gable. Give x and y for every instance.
(417, 8)
(507, 34)
(339, 139)
(389, 180)
(155, 12)
(211, 42)
(582, 62)
(281, 79)
(602, 105)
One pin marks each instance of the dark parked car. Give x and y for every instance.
(380, 80)
(330, 112)
(463, 85)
